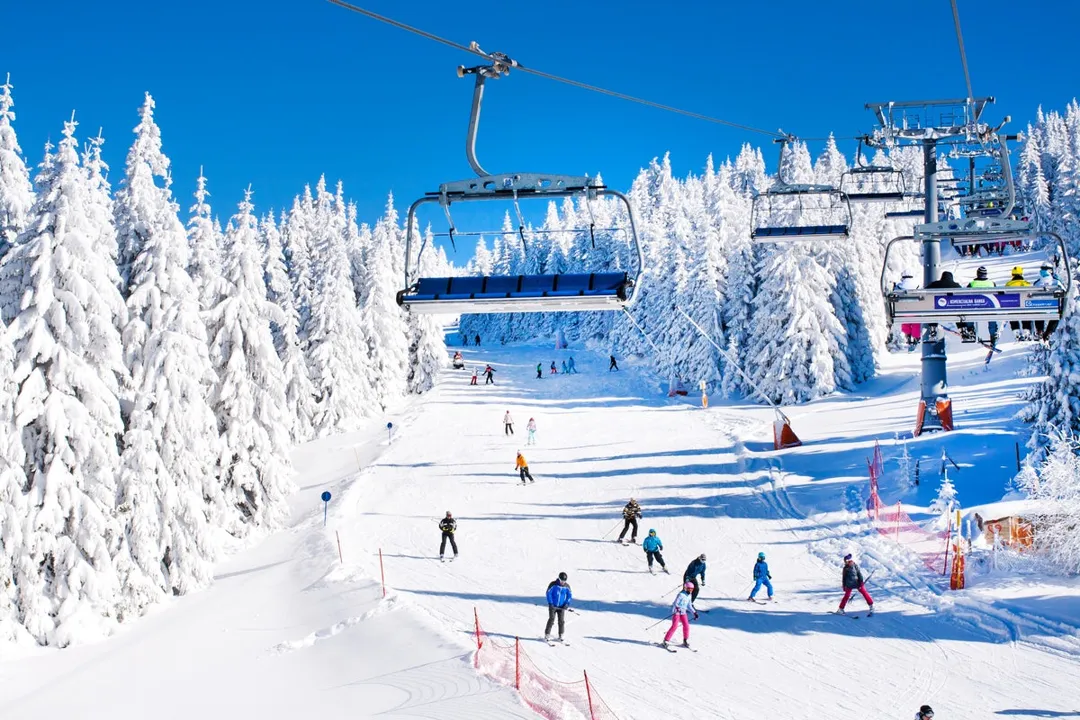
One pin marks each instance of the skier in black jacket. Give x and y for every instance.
(630, 514)
(695, 568)
(448, 525)
(852, 579)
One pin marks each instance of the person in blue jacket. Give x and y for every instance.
(761, 576)
(652, 546)
(558, 600)
(695, 568)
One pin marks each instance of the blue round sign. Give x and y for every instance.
(389, 425)
(326, 496)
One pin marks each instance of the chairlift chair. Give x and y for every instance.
(610, 290)
(969, 305)
(872, 183)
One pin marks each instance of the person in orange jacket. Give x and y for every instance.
(522, 466)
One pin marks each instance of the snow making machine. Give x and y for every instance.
(611, 289)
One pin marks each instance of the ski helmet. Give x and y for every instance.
(1018, 271)
(926, 712)
(761, 556)
(651, 531)
(981, 273)
(688, 585)
(701, 557)
(562, 576)
(847, 557)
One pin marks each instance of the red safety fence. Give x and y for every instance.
(509, 664)
(891, 521)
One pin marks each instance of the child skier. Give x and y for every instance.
(693, 570)
(531, 427)
(570, 364)
(475, 375)
(448, 525)
(564, 370)
(489, 372)
(652, 547)
(613, 365)
(539, 371)
(508, 424)
(680, 609)
(553, 370)
(630, 514)
(558, 600)
(852, 580)
(925, 713)
(762, 576)
(523, 468)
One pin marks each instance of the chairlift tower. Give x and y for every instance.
(931, 123)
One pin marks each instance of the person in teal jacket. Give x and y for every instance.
(652, 547)
(761, 577)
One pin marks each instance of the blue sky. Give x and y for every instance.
(275, 93)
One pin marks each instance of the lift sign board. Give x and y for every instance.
(977, 302)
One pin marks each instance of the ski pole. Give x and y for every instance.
(670, 591)
(604, 536)
(658, 622)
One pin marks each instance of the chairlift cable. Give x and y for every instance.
(963, 53)
(556, 78)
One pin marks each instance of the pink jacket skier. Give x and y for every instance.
(680, 611)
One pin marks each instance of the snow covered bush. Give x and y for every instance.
(1055, 485)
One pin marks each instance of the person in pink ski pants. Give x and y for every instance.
(852, 580)
(680, 611)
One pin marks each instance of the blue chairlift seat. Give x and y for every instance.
(804, 231)
(518, 293)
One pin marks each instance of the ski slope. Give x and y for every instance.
(708, 482)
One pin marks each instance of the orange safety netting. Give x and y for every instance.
(508, 663)
(892, 522)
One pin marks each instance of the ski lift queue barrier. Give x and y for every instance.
(509, 664)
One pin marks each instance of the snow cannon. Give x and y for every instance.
(940, 416)
(783, 436)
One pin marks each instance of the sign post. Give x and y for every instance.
(326, 503)
(389, 432)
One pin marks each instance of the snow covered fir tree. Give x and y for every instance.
(153, 376)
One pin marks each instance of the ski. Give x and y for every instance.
(837, 612)
(666, 647)
(989, 346)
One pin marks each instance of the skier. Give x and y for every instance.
(477, 339)
(570, 364)
(910, 331)
(459, 362)
(448, 525)
(531, 427)
(695, 568)
(630, 514)
(564, 370)
(982, 280)
(488, 372)
(1023, 331)
(464, 340)
(945, 281)
(475, 375)
(553, 370)
(680, 609)
(558, 600)
(523, 468)
(613, 365)
(653, 546)
(762, 576)
(852, 580)
(925, 713)
(539, 371)
(1046, 279)
(508, 424)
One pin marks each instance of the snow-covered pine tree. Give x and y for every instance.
(205, 240)
(169, 487)
(793, 355)
(12, 500)
(299, 392)
(946, 498)
(16, 193)
(67, 361)
(1055, 485)
(337, 345)
(298, 234)
(249, 401)
(427, 349)
(101, 207)
(145, 155)
(383, 322)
